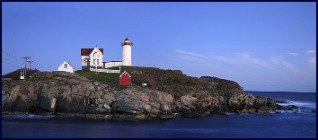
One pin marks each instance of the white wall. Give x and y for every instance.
(69, 68)
(112, 64)
(126, 55)
(96, 54)
(83, 58)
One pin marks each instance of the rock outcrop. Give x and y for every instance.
(65, 94)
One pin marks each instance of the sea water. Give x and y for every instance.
(299, 124)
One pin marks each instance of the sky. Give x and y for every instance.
(262, 46)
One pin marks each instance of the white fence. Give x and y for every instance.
(112, 64)
(105, 70)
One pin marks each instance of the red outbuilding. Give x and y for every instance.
(125, 79)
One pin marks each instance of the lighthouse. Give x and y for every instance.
(126, 61)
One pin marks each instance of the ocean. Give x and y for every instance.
(290, 124)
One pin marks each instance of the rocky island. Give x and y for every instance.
(169, 94)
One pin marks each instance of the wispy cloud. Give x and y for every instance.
(276, 60)
(188, 58)
(189, 55)
(248, 59)
(290, 66)
(280, 61)
(229, 60)
(293, 53)
(273, 63)
(311, 51)
(244, 58)
(312, 60)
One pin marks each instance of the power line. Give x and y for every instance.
(10, 55)
(5, 58)
(5, 62)
(26, 60)
(30, 64)
(10, 60)
(5, 52)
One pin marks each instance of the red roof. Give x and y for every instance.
(87, 51)
(125, 73)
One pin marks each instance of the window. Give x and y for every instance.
(97, 61)
(65, 65)
(94, 62)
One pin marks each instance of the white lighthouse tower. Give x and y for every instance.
(126, 61)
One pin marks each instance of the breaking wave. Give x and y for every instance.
(303, 106)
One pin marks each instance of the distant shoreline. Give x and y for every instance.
(279, 92)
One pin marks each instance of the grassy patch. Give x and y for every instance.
(15, 75)
(105, 78)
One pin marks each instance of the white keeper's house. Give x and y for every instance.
(92, 58)
(66, 66)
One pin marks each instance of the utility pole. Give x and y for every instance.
(30, 64)
(26, 60)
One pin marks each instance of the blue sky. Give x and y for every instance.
(262, 46)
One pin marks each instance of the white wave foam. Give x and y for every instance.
(299, 104)
(29, 116)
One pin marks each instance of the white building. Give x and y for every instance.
(67, 67)
(22, 74)
(92, 58)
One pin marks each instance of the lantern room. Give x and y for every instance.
(127, 42)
